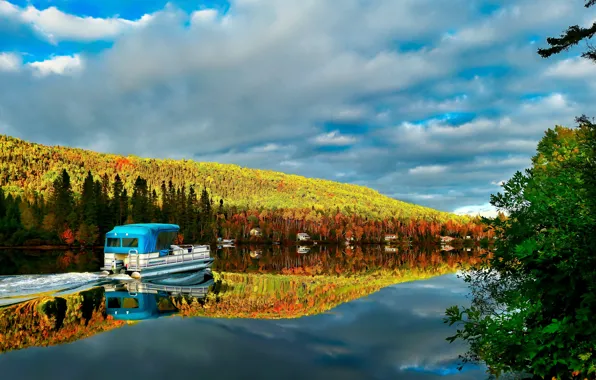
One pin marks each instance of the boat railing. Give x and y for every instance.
(138, 261)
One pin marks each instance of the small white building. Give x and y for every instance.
(302, 236)
(256, 232)
(389, 237)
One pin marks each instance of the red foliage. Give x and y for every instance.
(122, 163)
(67, 236)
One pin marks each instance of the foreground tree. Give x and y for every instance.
(534, 298)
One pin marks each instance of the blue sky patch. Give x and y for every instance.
(128, 9)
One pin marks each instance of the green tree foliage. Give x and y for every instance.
(534, 299)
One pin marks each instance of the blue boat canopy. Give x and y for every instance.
(141, 237)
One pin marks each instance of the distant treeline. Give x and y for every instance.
(66, 217)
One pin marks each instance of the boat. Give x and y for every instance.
(138, 300)
(146, 250)
(226, 241)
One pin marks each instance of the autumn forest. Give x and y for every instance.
(56, 195)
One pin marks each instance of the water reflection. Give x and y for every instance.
(321, 259)
(255, 295)
(395, 333)
(138, 300)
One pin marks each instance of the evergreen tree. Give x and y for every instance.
(572, 36)
(13, 214)
(191, 215)
(117, 205)
(2, 204)
(155, 212)
(205, 203)
(165, 206)
(171, 202)
(62, 200)
(89, 201)
(124, 204)
(104, 214)
(140, 201)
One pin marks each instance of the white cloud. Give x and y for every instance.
(57, 25)
(334, 138)
(266, 148)
(253, 87)
(430, 169)
(572, 68)
(290, 163)
(10, 62)
(204, 15)
(62, 65)
(486, 210)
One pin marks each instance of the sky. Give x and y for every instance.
(430, 102)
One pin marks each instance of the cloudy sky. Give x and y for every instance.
(431, 102)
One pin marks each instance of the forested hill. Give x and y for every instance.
(28, 168)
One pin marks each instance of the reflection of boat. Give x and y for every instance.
(147, 251)
(302, 249)
(256, 254)
(138, 300)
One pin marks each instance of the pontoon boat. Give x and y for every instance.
(147, 251)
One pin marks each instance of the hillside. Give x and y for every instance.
(31, 168)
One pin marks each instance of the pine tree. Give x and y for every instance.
(155, 212)
(124, 205)
(2, 204)
(62, 201)
(89, 201)
(165, 205)
(140, 201)
(116, 203)
(191, 214)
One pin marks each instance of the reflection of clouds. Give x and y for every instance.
(399, 328)
(449, 368)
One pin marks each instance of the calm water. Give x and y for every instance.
(356, 327)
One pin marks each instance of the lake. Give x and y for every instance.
(269, 312)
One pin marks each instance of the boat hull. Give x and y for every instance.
(168, 269)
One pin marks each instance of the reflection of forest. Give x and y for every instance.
(255, 258)
(333, 259)
(311, 284)
(24, 261)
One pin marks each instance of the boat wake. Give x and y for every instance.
(26, 285)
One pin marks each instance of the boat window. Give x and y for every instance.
(113, 303)
(130, 242)
(130, 303)
(113, 242)
(165, 240)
